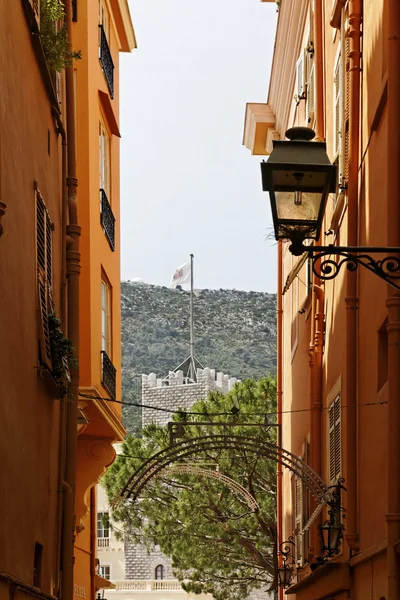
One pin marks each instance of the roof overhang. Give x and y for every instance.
(259, 128)
(124, 25)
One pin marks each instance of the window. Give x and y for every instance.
(104, 157)
(335, 462)
(106, 317)
(105, 572)
(297, 495)
(345, 52)
(159, 572)
(44, 263)
(103, 528)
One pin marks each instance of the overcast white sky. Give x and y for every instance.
(187, 183)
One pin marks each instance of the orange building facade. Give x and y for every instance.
(336, 70)
(100, 30)
(60, 270)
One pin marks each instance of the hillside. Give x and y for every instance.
(235, 332)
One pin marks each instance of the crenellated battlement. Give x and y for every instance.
(216, 381)
(175, 392)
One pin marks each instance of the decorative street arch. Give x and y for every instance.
(194, 446)
(189, 469)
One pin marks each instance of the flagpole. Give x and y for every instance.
(191, 318)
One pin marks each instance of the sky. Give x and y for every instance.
(188, 185)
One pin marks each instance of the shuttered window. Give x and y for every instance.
(345, 40)
(311, 95)
(335, 462)
(298, 524)
(44, 229)
(301, 75)
(106, 317)
(338, 112)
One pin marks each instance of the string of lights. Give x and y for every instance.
(235, 411)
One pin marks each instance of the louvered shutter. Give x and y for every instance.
(300, 75)
(311, 95)
(338, 99)
(346, 101)
(44, 277)
(335, 463)
(299, 520)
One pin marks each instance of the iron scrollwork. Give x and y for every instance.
(327, 261)
(287, 562)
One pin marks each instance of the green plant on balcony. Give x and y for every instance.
(62, 354)
(54, 36)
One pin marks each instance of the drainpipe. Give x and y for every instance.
(93, 539)
(319, 72)
(73, 272)
(279, 394)
(63, 316)
(393, 300)
(351, 300)
(315, 362)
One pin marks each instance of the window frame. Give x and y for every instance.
(106, 576)
(162, 568)
(101, 528)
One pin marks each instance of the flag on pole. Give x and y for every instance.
(181, 275)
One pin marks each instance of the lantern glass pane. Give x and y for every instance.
(334, 537)
(298, 206)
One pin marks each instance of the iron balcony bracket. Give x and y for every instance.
(327, 261)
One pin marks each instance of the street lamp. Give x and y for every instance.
(331, 532)
(299, 177)
(286, 570)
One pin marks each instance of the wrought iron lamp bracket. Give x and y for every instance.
(327, 261)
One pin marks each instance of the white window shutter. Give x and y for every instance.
(300, 75)
(311, 95)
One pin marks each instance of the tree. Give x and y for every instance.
(217, 543)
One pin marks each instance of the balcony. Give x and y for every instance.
(106, 61)
(107, 219)
(103, 542)
(108, 374)
(152, 585)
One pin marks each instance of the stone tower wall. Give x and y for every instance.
(170, 393)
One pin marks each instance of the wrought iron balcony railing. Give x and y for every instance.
(106, 61)
(108, 374)
(107, 219)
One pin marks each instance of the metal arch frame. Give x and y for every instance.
(158, 462)
(326, 267)
(195, 470)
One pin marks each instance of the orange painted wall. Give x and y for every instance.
(96, 253)
(29, 410)
(369, 577)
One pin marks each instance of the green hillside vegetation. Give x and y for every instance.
(235, 333)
